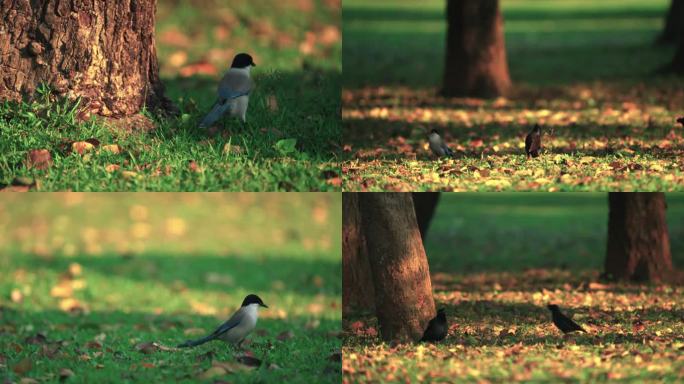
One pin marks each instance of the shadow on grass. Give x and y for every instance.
(371, 15)
(304, 357)
(254, 274)
(369, 134)
(487, 313)
(303, 105)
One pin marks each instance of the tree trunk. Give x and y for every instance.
(424, 204)
(638, 241)
(475, 50)
(100, 51)
(357, 286)
(401, 277)
(673, 26)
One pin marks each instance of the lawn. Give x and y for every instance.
(584, 70)
(495, 261)
(291, 138)
(88, 281)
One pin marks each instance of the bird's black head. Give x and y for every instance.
(434, 131)
(536, 129)
(242, 60)
(441, 312)
(553, 307)
(253, 299)
(680, 120)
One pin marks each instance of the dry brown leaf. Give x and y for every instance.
(39, 159)
(23, 366)
(111, 148)
(285, 335)
(82, 147)
(65, 373)
(16, 296)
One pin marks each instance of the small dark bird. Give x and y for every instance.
(680, 120)
(533, 142)
(437, 327)
(564, 323)
(438, 146)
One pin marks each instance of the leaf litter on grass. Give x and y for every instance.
(500, 329)
(595, 136)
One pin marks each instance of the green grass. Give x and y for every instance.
(290, 146)
(165, 268)
(608, 120)
(495, 261)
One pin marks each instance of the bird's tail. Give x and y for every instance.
(194, 343)
(216, 112)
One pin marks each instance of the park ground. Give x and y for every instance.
(290, 141)
(584, 70)
(496, 260)
(99, 288)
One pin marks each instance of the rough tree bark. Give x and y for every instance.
(101, 51)
(401, 277)
(673, 23)
(638, 241)
(357, 287)
(475, 50)
(424, 204)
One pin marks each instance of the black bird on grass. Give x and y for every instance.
(533, 142)
(437, 327)
(564, 323)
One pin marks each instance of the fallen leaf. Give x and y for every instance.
(272, 103)
(23, 366)
(75, 270)
(65, 373)
(285, 335)
(147, 348)
(39, 159)
(16, 296)
(111, 148)
(81, 147)
(249, 361)
(36, 339)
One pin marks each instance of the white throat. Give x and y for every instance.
(251, 310)
(245, 70)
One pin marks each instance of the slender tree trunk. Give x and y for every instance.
(357, 286)
(101, 51)
(475, 50)
(673, 23)
(425, 204)
(638, 241)
(401, 277)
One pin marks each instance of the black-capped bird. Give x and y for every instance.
(564, 323)
(437, 327)
(680, 120)
(438, 146)
(237, 327)
(533, 142)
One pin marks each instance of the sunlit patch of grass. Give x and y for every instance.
(501, 330)
(98, 274)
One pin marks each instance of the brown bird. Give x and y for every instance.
(564, 323)
(680, 120)
(533, 142)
